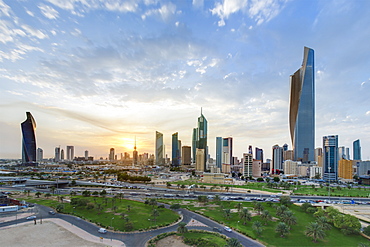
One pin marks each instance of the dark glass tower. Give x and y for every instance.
(330, 158)
(356, 150)
(302, 109)
(219, 152)
(175, 149)
(28, 139)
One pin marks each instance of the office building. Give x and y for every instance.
(175, 149)
(199, 139)
(227, 150)
(61, 154)
(134, 155)
(356, 150)
(57, 154)
(291, 167)
(87, 155)
(199, 160)
(318, 156)
(302, 109)
(277, 160)
(219, 153)
(70, 152)
(345, 169)
(39, 155)
(363, 168)
(158, 148)
(259, 154)
(257, 168)
(186, 155)
(28, 139)
(342, 153)
(315, 172)
(194, 143)
(330, 158)
(247, 165)
(111, 154)
(288, 154)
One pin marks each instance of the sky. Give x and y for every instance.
(97, 74)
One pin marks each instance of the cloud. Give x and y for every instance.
(198, 4)
(34, 32)
(164, 12)
(48, 11)
(4, 9)
(258, 10)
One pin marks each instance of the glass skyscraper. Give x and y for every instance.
(302, 109)
(28, 139)
(199, 140)
(175, 149)
(356, 150)
(219, 152)
(158, 148)
(330, 158)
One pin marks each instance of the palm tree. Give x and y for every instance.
(155, 214)
(227, 213)
(47, 195)
(38, 194)
(281, 209)
(288, 218)
(152, 202)
(233, 242)
(245, 215)
(282, 228)
(266, 216)
(323, 222)
(257, 227)
(182, 228)
(128, 207)
(258, 207)
(315, 231)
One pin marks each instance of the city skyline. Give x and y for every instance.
(94, 75)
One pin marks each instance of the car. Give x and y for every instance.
(216, 229)
(52, 212)
(228, 229)
(102, 230)
(32, 217)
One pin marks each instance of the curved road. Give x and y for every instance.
(136, 239)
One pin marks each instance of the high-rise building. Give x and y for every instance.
(319, 156)
(247, 165)
(219, 152)
(62, 154)
(199, 160)
(111, 154)
(199, 139)
(135, 155)
(285, 147)
(87, 155)
(227, 154)
(347, 154)
(345, 169)
(302, 109)
(175, 149)
(186, 155)
(342, 153)
(180, 153)
(330, 158)
(28, 139)
(194, 143)
(71, 152)
(257, 168)
(259, 154)
(39, 155)
(277, 159)
(158, 148)
(356, 150)
(57, 154)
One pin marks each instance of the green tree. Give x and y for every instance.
(73, 183)
(175, 206)
(367, 230)
(227, 213)
(280, 210)
(245, 215)
(38, 194)
(258, 207)
(276, 179)
(266, 216)
(86, 193)
(348, 224)
(239, 206)
(168, 184)
(202, 199)
(152, 202)
(103, 193)
(305, 205)
(257, 227)
(155, 214)
(283, 229)
(59, 207)
(233, 242)
(323, 222)
(216, 198)
(47, 195)
(182, 228)
(288, 218)
(285, 200)
(315, 231)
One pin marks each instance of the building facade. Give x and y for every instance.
(356, 150)
(330, 158)
(186, 155)
(247, 165)
(175, 149)
(219, 152)
(277, 160)
(28, 139)
(39, 155)
(70, 152)
(158, 148)
(302, 109)
(345, 169)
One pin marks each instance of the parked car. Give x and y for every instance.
(228, 229)
(52, 212)
(216, 229)
(102, 230)
(32, 217)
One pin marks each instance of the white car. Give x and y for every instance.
(228, 229)
(31, 217)
(102, 230)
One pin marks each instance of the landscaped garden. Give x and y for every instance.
(110, 212)
(276, 224)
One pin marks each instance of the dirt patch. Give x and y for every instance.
(173, 241)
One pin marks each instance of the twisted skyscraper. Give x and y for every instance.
(302, 109)
(28, 139)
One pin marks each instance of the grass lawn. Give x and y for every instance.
(269, 237)
(344, 192)
(108, 212)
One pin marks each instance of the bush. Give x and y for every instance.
(175, 206)
(367, 230)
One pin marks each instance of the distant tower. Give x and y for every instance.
(259, 154)
(111, 154)
(57, 154)
(39, 155)
(219, 152)
(62, 154)
(87, 155)
(175, 149)
(356, 150)
(199, 140)
(277, 159)
(158, 148)
(28, 139)
(250, 150)
(330, 158)
(135, 156)
(70, 152)
(302, 109)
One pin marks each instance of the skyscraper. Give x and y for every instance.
(158, 148)
(186, 155)
(39, 155)
(111, 154)
(219, 152)
(194, 143)
(70, 152)
(259, 154)
(356, 150)
(330, 158)
(247, 165)
(277, 159)
(28, 139)
(302, 109)
(175, 149)
(57, 154)
(135, 155)
(227, 154)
